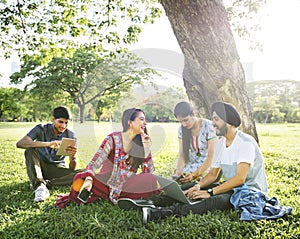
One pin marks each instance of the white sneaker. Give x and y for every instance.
(41, 193)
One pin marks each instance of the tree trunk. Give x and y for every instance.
(266, 118)
(81, 113)
(212, 68)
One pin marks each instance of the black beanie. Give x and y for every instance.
(227, 113)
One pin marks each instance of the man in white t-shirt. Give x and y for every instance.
(236, 154)
(239, 158)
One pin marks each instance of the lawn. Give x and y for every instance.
(20, 217)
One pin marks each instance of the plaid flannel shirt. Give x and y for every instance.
(121, 170)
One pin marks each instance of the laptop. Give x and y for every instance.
(173, 190)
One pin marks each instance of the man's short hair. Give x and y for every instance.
(62, 112)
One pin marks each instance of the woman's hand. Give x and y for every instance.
(88, 184)
(146, 140)
(177, 172)
(187, 178)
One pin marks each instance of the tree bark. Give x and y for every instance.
(212, 68)
(81, 112)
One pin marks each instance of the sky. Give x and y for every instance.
(280, 38)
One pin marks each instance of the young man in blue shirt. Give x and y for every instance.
(44, 166)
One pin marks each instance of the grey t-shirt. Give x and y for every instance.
(44, 133)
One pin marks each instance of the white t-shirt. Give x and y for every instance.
(243, 149)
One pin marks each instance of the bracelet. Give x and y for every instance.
(175, 170)
(89, 178)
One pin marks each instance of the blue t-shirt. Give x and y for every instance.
(45, 133)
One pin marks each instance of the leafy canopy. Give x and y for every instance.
(51, 27)
(9, 105)
(244, 20)
(47, 28)
(84, 78)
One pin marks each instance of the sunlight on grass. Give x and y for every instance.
(20, 217)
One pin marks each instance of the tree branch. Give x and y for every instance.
(20, 15)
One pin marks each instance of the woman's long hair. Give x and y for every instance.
(137, 151)
(185, 109)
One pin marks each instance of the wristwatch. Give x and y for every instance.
(210, 191)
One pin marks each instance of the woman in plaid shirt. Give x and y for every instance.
(111, 174)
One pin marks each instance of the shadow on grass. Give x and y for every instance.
(22, 218)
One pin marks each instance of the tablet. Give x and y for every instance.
(64, 144)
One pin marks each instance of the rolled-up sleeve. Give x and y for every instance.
(147, 165)
(101, 155)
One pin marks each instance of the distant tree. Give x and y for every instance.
(156, 100)
(84, 77)
(10, 103)
(266, 109)
(105, 104)
(274, 101)
(160, 106)
(293, 115)
(22, 105)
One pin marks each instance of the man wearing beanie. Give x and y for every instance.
(239, 157)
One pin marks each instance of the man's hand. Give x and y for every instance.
(54, 144)
(191, 190)
(199, 194)
(71, 150)
(195, 193)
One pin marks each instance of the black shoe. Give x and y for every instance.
(48, 184)
(134, 204)
(155, 214)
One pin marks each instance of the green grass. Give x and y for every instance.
(20, 217)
